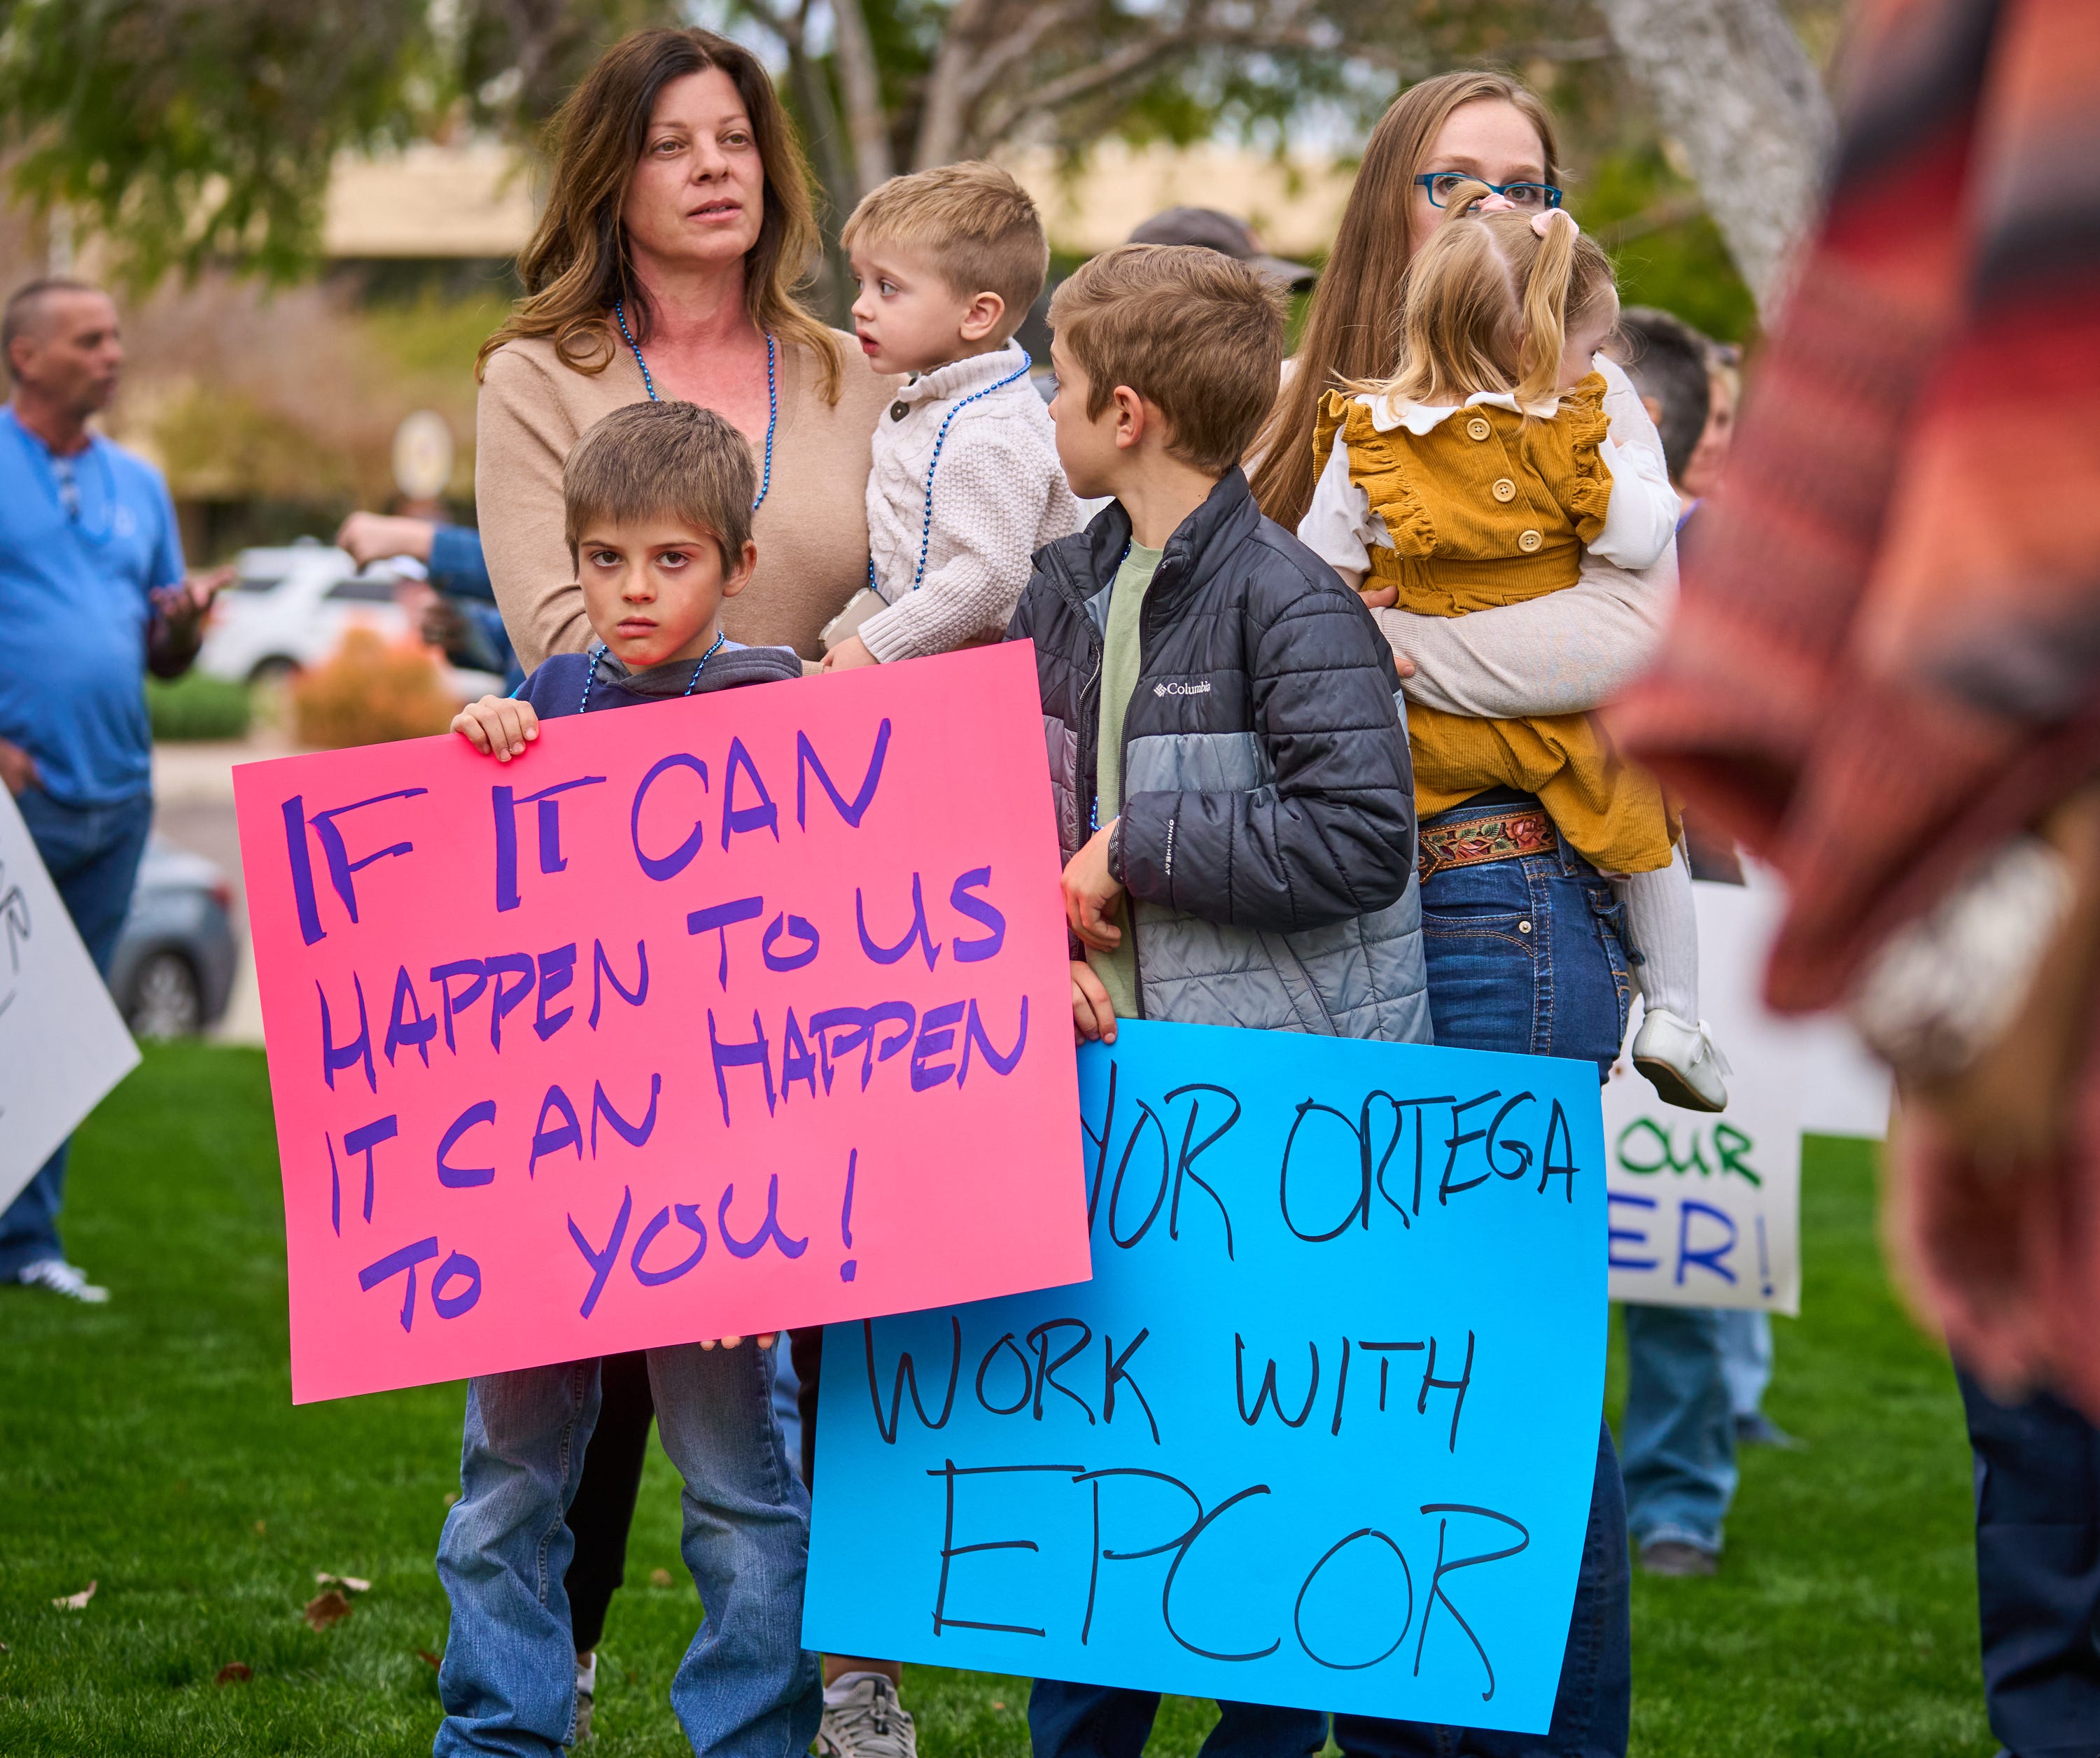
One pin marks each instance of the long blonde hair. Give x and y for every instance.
(1487, 303)
(1349, 331)
(578, 264)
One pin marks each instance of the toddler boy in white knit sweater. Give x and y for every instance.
(965, 484)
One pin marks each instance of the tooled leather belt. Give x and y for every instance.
(1473, 842)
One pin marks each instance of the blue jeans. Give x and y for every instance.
(93, 854)
(2038, 1571)
(1680, 1434)
(1103, 1721)
(1592, 1707)
(1746, 1360)
(1525, 957)
(746, 1687)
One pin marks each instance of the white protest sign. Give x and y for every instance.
(63, 1044)
(1705, 1210)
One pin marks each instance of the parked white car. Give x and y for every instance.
(289, 608)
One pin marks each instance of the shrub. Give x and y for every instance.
(195, 705)
(369, 692)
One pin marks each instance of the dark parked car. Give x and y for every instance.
(173, 967)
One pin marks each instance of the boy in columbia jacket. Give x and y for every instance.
(1235, 802)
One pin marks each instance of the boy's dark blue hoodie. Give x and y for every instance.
(557, 685)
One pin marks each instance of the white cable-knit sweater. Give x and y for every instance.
(998, 496)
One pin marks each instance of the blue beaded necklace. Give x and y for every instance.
(598, 652)
(932, 463)
(772, 392)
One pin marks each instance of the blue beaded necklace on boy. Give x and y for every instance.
(940, 439)
(597, 653)
(766, 482)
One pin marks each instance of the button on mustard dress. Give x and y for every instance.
(1488, 508)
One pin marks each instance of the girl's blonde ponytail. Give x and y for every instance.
(1453, 316)
(1546, 306)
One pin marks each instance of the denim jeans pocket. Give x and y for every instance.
(1482, 930)
(1482, 940)
(1611, 919)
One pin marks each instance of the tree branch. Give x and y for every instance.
(789, 30)
(813, 92)
(1673, 211)
(1038, 22)
(1732, 83)
(860, 83)
(1132, 62)
(941, 112)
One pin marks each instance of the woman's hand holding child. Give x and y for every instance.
(1386, 598)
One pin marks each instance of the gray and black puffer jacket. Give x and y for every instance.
(1267, 834)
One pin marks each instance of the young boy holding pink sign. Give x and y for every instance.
(659, 499)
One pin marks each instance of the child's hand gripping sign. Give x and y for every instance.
(744, 1013)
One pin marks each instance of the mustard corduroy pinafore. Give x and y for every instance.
(1489, 507)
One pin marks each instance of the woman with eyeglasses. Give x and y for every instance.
(1562, 656)
(1521, 936)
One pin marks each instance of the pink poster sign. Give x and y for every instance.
(698, 1019)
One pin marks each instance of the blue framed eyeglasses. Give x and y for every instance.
(1533, 198)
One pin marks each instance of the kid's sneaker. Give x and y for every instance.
(863, 1718)
(1681, 1061)
(586, 1691)
(60, 1277)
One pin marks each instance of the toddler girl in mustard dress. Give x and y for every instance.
(1478, 476)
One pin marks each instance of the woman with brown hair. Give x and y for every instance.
(1562, 655)
(1520, 935)
(677, 226)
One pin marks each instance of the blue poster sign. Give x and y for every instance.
(1319, 1431)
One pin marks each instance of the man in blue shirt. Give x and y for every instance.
(91, 593)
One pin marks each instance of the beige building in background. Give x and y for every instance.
(431, 201)
(476, 201)
(1294, 205)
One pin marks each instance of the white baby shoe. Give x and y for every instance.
(1681, 1061)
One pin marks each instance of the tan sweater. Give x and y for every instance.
(811, 530)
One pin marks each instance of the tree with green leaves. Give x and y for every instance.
(191, 130)
(197, 131)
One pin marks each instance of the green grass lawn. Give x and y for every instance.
(151, 1446)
